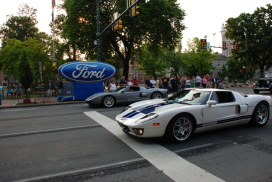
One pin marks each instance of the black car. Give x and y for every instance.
(264, 84)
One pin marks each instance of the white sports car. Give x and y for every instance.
(179, 116)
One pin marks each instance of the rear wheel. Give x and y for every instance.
(260, 114)
(180, 128)
(156, 95)
(108, 101)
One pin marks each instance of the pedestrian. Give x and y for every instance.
(174, 84)
(129, 83)
(153, 82)
(9, 92)
(213, 81)
(208, 78)
(198, 81)
(60, 86)
(123, 81)
(188, 82)
(165, 82)
(226, 79)
(147, 83)
(159, 82)
(49, 87)
(217, 81)
(192, 82)
(204, 82)
(19, 91)
(112, 86)
(183, 82)
(135, 81)
(13, 92)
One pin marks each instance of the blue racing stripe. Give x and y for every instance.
(145, 110)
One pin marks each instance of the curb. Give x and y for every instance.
(44, 104)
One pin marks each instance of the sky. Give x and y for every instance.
(203, 18)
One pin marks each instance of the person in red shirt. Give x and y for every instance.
(208, 83)
(135, 81)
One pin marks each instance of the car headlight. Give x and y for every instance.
(148, 117)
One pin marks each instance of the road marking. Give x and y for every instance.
(14, 110)
(165, 160)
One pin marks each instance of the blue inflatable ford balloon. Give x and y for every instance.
(86, 71)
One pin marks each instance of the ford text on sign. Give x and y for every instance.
(86, 71)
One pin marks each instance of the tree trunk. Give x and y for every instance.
(126, 68)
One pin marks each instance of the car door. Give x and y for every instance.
(225, 111)
(132, 94)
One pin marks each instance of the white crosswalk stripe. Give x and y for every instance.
(165, 160)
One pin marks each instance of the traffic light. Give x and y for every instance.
(134, 11)
(118, 25)
(224, 45)
(203, 44)
(235, 46)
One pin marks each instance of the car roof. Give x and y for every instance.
(209, 89)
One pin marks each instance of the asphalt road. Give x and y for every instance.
(77, 143)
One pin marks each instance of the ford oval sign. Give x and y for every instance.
(86, 71)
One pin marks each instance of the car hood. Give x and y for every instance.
(99, 95)
(141, 109)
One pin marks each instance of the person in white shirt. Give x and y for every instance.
(153, 82)
(198, 81)
(112, 86)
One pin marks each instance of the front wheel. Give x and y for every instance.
(180, 128)
(108, 101)
(156, 95)
(260, 115)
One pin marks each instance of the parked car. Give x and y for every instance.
(264, 84)
(179, 116)
(125, 95)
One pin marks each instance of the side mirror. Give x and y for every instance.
(211, 102)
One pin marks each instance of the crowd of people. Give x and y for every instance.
(14, 92)
(173, 83)
(112, 84)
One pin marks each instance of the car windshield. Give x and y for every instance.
(120, 89)
(194, 97)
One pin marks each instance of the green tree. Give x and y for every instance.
(257, 29)
(197, 60)
(151, 64)
(21, 59)
(159, 24)
(20, 27)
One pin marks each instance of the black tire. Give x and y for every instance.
(108, 101)
(260, 114)
(256, 91)
(180, 128)
(156, 95)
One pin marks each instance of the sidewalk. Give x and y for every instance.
(35, 101)
(39, 101)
